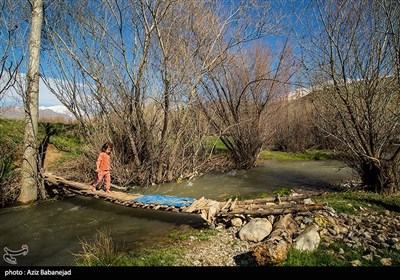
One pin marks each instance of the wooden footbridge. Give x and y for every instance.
(208, 209)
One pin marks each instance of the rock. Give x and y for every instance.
(308, 201)
(236, 222)
(308, 240)
(386, 261)
(356, 263)
(255, 230)
(396, 246)
(368, 257)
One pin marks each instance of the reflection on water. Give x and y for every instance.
(265, 178)
(53, 230)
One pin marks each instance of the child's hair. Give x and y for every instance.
(106, 145)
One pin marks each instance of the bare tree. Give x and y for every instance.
(356, 85)
(8, 38)
(134, 69)
(30, 172)
(237, 97)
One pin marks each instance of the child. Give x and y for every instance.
(103, 167)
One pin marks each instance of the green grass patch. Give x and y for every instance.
(11, 130)
(214, 141)
(284, 191)
(337, 254)
(353, 202)
(307, 155)
(155, 257)
(203, 234)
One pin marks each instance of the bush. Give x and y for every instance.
(9, 189)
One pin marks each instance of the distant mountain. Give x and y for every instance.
(52, 113)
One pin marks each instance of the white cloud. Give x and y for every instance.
(46, 98)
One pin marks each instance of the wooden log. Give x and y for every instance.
(274, 250)
(282, 198)
(269, 206)
(275, 211)
(203, 204)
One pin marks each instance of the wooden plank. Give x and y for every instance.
(202, 204)
(193, 206)
(226, 204)
(232, 207)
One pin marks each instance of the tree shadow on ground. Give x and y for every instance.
(245, 259)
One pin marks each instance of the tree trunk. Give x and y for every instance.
(389, 178)
(30, 178)
(275, 249)
(381, 178)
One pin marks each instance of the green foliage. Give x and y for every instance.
(306, 155)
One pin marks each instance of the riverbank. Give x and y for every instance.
(369, 238)
(364, 232)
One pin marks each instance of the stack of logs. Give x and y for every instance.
(259, 207)
(272, 205)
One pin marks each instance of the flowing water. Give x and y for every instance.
(267, 177)
(53, 230)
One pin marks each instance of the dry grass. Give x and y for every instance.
(101, 252)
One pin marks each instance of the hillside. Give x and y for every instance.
(49, 114)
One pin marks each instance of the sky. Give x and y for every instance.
(46, 98)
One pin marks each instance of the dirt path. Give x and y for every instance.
(52, 156)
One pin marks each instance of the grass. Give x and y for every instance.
(307, 155)
(352, 201)
(66, 137)
(336, 254)
(188, 234)
(155, 257)
(214, 141)
(101, 252)
(11, 130)
(284, 191)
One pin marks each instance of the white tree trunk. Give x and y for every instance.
(29, 188)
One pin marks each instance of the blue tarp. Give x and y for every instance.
(165, 200)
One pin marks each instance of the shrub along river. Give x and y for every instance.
(53, 230)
